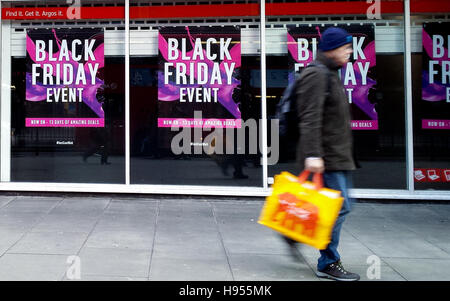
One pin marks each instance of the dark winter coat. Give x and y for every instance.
(324, 118)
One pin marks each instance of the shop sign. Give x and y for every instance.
(199, 71)
(358, 76)
(63, 13)
(63, 80)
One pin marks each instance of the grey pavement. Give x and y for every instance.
(121, 238)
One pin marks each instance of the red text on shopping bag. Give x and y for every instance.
(293, 212)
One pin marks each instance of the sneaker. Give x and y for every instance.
(337, 272)
(292, 245)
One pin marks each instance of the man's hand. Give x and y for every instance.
(315, 165)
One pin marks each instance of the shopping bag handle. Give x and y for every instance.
(317, 178)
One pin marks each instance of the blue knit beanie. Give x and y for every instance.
(334, 37)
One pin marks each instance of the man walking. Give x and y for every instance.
(325, 144)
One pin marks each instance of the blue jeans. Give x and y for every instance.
(338, 180)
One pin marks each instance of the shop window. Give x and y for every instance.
(66, 114)
(374, 83)
(431, 106)
(192, 96)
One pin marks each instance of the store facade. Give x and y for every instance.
(179, 97)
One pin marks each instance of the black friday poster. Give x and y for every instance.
(64, 77)
(198, 72)
(358, 76)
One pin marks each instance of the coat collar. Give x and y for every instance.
(331, 64)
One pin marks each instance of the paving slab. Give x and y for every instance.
(250, 209)
(416, 269)
(247, 242)
(408, 213)
(193, 249)
(189, 269)
(435, 233)
(8, 238)
(115, 262)
(442, 210)
(256, 267)
(132, 206)
(185, 230)
(105, 278)
(177, 223)
(186, 226)
(68, 243)
(187, 210)
(365, 210)
(30, 204)
(126, 222)
(38, 198)
(392, 239)
(67, 222)
(20, 221)
(83, 206)
(111, 239)
(5, 200)
(244, 235)
(32, 267)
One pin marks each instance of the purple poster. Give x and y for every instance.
(358, 76)
(198, 72)
(435, 104)
(64, 77)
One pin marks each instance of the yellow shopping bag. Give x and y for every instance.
(302, 210)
